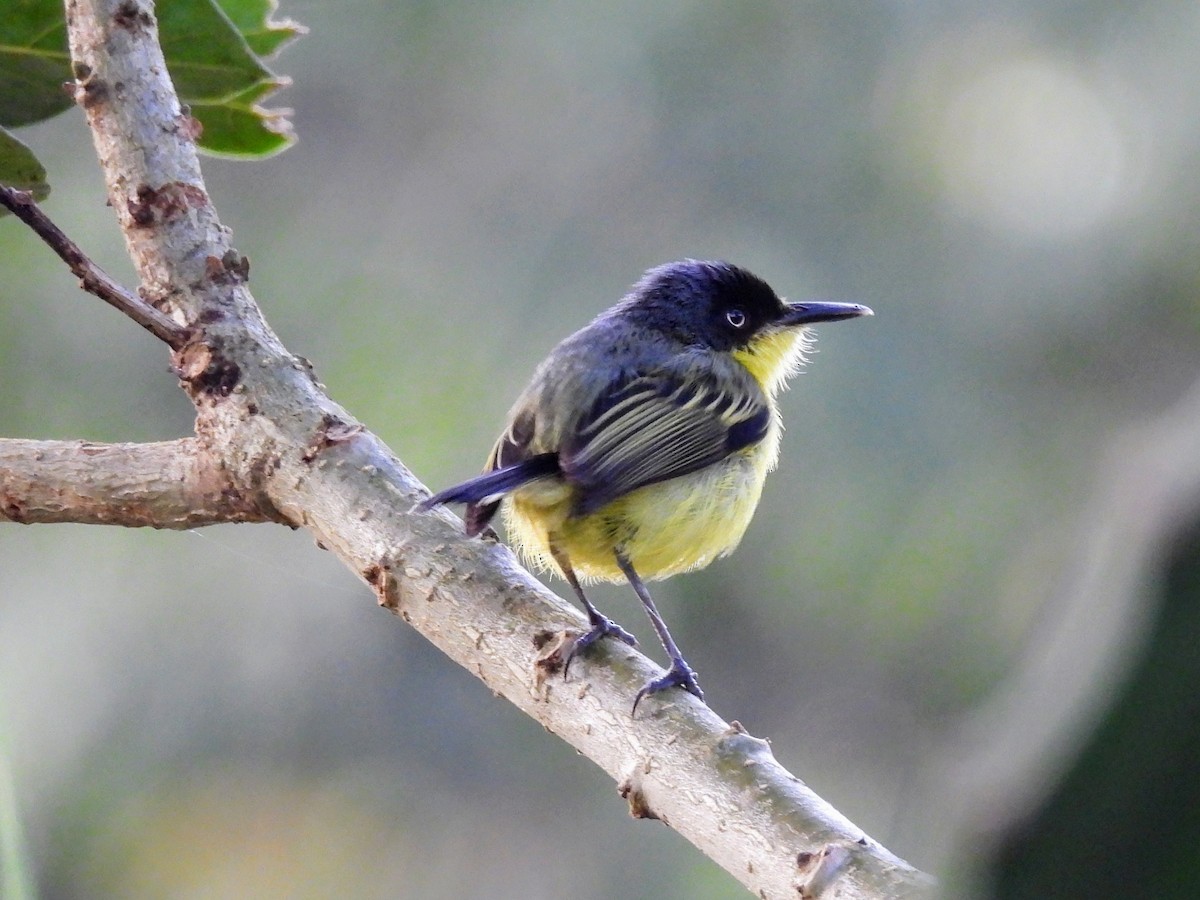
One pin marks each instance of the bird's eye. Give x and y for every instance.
(736, 318)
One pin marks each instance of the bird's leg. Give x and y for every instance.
(602, 625)
(680, 674)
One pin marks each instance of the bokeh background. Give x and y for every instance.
(952, 578)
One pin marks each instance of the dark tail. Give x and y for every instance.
(483, 493)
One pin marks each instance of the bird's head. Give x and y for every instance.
(725, 308)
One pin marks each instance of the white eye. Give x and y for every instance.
(736, 318)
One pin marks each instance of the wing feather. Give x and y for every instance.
(661, 424)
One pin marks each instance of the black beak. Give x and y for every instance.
(811, 313)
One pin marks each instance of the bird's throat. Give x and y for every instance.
(774, 356)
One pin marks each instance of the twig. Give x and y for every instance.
(91, 277)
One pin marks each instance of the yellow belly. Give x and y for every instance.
(663, 529)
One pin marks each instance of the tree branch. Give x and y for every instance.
(91, 277)
(173, 484)
(284, 447)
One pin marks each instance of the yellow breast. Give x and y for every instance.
(666, 528)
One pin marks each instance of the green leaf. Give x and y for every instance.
(252, 18)
(207, 56)
(237, 127)
(34, 62)
(220, 77)
(212, 51)
(19, 168)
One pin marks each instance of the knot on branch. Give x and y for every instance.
(132, 17)
(12, 510)
(632, 791)
(87, 89)
(553, 650)
(206, 370)
(330, 432)
(821, 869)
(164, 204)
(230, 268)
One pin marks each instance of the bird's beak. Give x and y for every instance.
(813, 312)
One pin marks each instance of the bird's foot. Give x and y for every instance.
(602, 626)
(679, 675)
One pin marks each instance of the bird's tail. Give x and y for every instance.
(483, 493)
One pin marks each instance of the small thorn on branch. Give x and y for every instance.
(91, 277)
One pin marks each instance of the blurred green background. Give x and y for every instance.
(1011, 186)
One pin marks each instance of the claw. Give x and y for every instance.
(679, 675)
(602, 626)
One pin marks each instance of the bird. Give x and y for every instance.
(640, 447)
